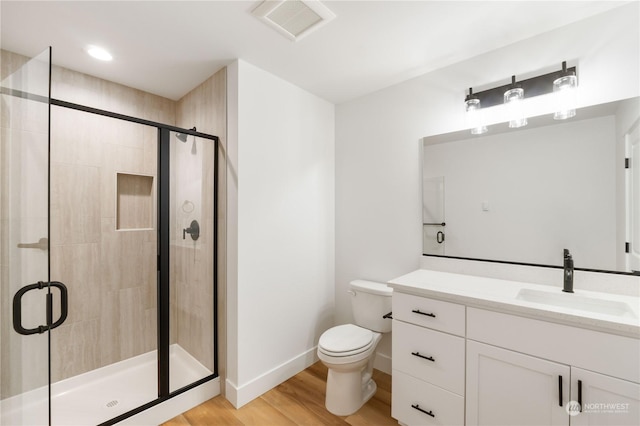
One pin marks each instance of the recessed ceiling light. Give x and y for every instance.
(99, 53)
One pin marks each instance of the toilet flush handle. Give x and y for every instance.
(351, 292)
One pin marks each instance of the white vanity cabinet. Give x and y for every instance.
(509, 388)
(522, 371)
(428, 361)
(459, 363)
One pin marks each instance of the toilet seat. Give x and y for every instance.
(345, 340)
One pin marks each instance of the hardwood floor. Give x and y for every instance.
(298, 401)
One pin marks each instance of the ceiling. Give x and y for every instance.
(170, 47)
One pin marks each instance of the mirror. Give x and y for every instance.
(524, 195)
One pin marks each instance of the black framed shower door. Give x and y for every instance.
(169, 239)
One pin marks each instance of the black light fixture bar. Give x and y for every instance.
(535, 86)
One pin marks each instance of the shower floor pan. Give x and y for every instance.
(99, 395)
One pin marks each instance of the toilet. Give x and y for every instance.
(348, 350)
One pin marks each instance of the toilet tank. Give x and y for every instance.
(370, 301)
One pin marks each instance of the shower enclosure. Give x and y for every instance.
(107, 258)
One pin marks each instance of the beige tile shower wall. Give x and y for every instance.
(10, 62)
(110, 273)
(192, 265)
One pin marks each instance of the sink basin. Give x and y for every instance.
(577, 302)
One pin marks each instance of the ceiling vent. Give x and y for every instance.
(294, 18)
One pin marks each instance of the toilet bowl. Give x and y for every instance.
(348, 350)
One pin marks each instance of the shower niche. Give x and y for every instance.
(135, 201)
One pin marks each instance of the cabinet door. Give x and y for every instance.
(510, 388)
(605, 400)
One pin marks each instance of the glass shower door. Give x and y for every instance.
(104, 248)
(24, 246)
(192, 258)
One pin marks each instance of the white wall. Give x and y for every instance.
(281, 183)
(378, 207)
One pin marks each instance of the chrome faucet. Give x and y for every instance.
(568, 272)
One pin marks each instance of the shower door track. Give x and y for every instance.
(78, 107)
(105, 113)
(163, 283)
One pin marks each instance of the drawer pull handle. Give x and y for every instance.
(429, 358)
(417, 311)
(428, 413)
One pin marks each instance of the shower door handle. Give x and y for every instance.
(17, 308)
(64, 305)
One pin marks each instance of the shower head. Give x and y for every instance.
(183, 136)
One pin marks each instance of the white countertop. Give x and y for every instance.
(511, 297)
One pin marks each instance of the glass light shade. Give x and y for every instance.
(565, 89)
(513, 100)
(474, 117)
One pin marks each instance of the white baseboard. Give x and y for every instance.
(177, 405)
(382, 363)
(240, 395)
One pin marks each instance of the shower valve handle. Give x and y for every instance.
(193, 230)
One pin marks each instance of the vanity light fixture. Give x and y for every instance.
(563, 84)
(474, 114)
(99, 53)
(513, 98)
(565, 88)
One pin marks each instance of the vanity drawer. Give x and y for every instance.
(432, 356)
(435, 314)
(408, 393)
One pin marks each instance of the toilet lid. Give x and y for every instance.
(345, 338)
